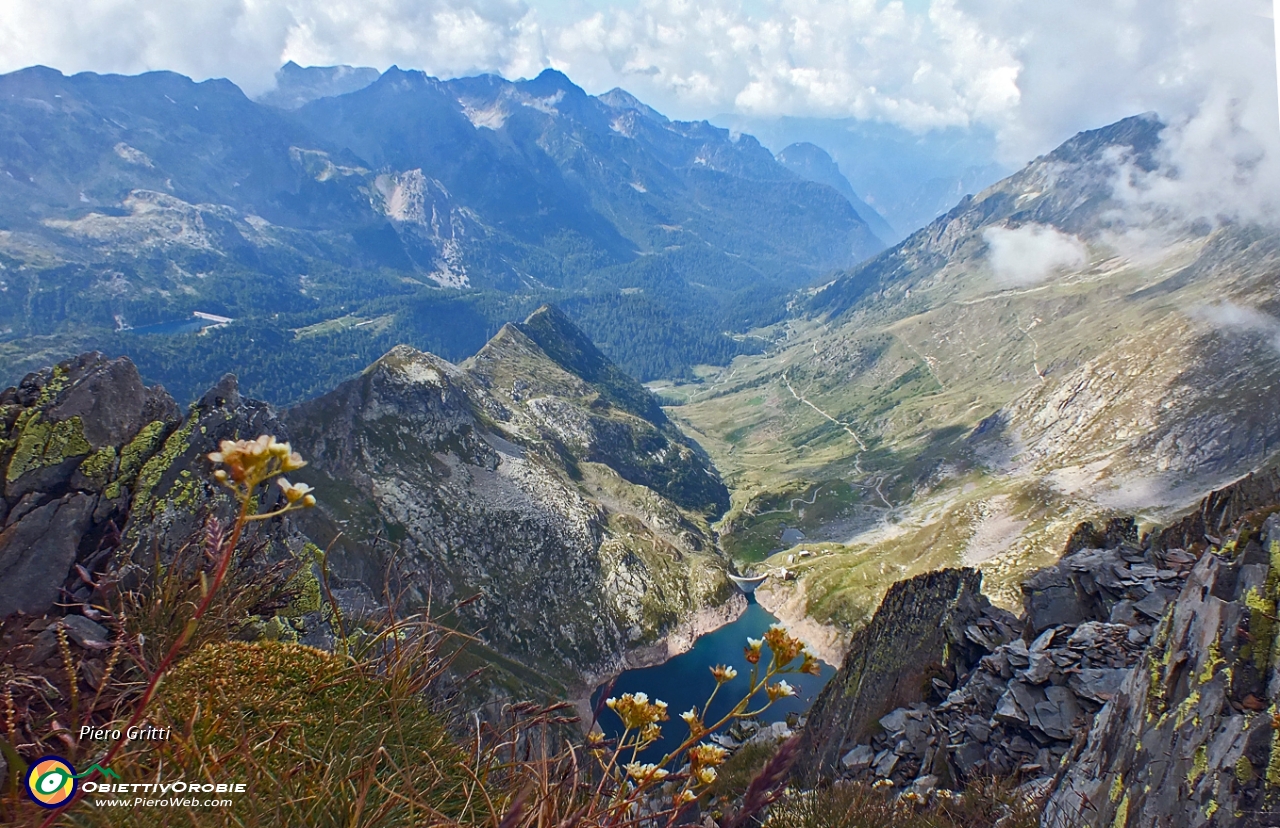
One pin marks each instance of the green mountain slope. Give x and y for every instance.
(1043, 354)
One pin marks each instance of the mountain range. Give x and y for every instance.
(409, 209)
(1046, 352)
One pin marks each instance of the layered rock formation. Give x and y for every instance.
(1141, 691)
(1190, 737)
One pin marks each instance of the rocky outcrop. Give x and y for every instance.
(38, 551)
(1190, 738)
(1024, 690)
(1219, 514)
(73, 441)
(1143, 689)
(917, 642)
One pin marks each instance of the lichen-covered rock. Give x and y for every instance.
(72, 439)
(1144, 691)
(1017, 705)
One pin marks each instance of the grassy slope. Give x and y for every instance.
(1088, 365)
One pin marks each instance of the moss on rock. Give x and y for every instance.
(135, 454)
(45, 443)
(99, 466)
(154, 468)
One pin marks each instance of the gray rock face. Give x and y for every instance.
(73, 440)
(1186, 739)
(37, 552)
(925, 627)
(1154, 707)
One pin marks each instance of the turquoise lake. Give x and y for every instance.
(685, 681)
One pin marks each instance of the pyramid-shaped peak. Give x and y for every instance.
(551, 81)
(619, 98)
(571, 349)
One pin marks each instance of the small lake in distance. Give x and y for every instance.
(177, 326)
(685, 681)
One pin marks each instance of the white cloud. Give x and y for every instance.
(247, 40)
(1206, 67)
(1233, 319)
(1029, 254)
(1034, 71)
(805, 57)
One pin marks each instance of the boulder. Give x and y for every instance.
(858, 759)
(37, 552)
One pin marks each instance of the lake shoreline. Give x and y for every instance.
(685, 681)
(789, 602)
(675, 643)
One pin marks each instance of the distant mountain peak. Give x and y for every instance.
(1070, 189)
(551, 81)
(618, 98)
(298, 85)
(569, 347)
(813, 163)
(1141, 133)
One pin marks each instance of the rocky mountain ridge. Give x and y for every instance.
(573, 529)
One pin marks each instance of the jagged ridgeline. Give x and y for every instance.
(410, 210)
(536, 478)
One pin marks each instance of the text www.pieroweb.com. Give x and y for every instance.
(160, 795)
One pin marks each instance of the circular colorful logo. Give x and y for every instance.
(51, 781)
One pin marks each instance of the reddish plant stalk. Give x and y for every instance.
(224, 562)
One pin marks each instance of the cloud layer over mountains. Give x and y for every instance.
(1035, 72)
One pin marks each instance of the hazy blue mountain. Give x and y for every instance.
(408, 209)
(908, 178)
(297, 85)
(812, 163)
(542, 163)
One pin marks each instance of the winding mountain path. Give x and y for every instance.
(857, 457)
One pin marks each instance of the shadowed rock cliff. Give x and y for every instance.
(917, 637)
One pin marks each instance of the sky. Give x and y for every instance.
(1032, 72)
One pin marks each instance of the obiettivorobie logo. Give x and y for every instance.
(52, 782)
